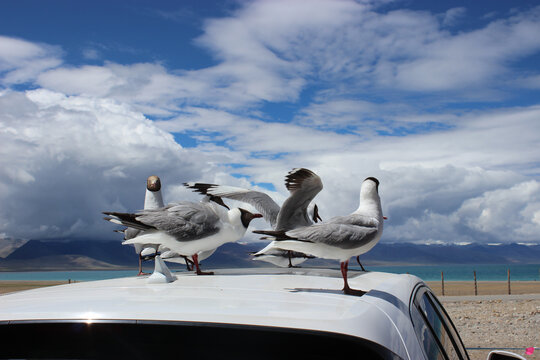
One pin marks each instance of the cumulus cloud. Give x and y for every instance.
(469, 59)
(470, 140)
(271, 51)
(506, 213)
(499, 216)
(67, 158)
(406, 49)
(452, 16)
(22, 61)
(427, 179)
(83, 143)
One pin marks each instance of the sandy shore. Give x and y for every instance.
(493, 319)
(7, 286)
(451, 288)
(498, 321)
(460, 288)
(509, 322)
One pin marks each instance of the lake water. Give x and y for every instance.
(518, 272)
(484, 272)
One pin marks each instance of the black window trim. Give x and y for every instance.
(461, 346)
(421, 287)
(431, 330)
(373, 346)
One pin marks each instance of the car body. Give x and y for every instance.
(236, 313)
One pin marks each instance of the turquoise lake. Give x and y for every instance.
(484, 272)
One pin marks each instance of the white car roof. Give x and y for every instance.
(290, 298)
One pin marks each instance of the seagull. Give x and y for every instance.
(279, 257)
(152, 200)
(174, 257)
(303, 185)
(340, 237)
(187, 228)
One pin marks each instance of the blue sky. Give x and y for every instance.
(439, 100)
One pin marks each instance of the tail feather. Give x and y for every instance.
(129, 220)
(278, 235)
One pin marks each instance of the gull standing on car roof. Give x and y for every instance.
(340, 237)
(303, 185)
(279, 257)
(187, 228)
(174, 257)
(152, 200)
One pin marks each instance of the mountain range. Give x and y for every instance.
(35, 255)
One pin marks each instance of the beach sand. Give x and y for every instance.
(508, 322)
(8, 286)
(460, 288)
(451, 288)
(490, 320)
(493, 319)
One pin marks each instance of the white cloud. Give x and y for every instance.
(531, 82)
(86, 80)
(425, 178)
(505, 214)
(452, 16)
(403, 49)
(80, 144)
(91, 53)
(468, 59)
(67, 158)
(22, 61)
(470, 140)
(273, 50)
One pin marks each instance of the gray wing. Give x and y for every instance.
(355, 219)
(184, 220)
(259, 200)
(129, 233)
(344, 236)
(304, 185)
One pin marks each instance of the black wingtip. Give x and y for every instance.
(201, 188)
(219, 200)
(296, 177)
(278, 235)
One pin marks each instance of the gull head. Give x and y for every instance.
(371, 184)
(153, 183)
(247, 216)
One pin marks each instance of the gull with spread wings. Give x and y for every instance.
(303, 185)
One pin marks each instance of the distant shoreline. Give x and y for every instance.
(9, 286)
(452, 288)
(314, 263)
(431, 273)
(464, 288)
